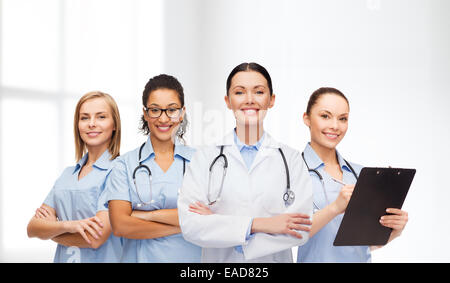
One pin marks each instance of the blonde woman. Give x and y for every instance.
(73, 214)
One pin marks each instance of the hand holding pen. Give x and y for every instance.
(344, 196)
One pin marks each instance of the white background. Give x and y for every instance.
(390, 58)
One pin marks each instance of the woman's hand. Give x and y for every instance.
(200, 208)
(90, 225)
(43, 213)
(283, 224)
(341, 202)
(396, 220)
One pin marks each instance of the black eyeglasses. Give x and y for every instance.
(154, 112)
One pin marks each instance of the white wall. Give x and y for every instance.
(391, 59)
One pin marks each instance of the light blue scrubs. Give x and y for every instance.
(248, 152)
(75, 199)
(320, 247)
(165, 186)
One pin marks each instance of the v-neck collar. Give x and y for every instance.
(102, 163)
(181, 150)
(314, 162)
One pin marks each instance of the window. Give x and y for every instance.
(51, 53)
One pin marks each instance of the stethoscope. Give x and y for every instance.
(321, 178)
(149, 172)
(288, 196)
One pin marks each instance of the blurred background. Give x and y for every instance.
(390, 58)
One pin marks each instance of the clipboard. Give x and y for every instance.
(375, 190)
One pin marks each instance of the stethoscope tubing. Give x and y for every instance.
(288, 196)
(322, 181)
(149, 172)
(224, 173)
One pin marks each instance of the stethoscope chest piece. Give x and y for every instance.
(142, 204)
(289, 197)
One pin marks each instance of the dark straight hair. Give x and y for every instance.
(246, 67)
(320, 92)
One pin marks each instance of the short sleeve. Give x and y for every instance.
(116, 185)
(102, 203)
(50, 199)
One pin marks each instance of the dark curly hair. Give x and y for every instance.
(162, 81)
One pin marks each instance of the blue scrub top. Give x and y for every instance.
(320, 247)
(248, 152)
(165, 186)
(75, 199)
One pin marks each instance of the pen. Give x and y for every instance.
(337, 181)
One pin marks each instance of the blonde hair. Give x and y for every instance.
(114, 145)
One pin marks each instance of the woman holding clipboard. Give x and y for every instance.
(333, 180)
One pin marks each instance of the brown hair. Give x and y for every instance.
(114, 145)
(319, 92)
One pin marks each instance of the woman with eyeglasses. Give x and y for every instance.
(73, 214)
(142, 188)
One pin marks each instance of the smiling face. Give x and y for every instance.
(328, 121)
(163, 128)
(96, 124)
(249, 98)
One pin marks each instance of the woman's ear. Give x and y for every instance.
(145, 115)
(183, 112)
(272, 100)
(227, 101)
(306, 120)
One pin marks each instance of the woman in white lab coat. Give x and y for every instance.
(261, 207)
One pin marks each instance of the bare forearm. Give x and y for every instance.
(323, 217)
(125, 225)
(71, 240)
(165, 216)
(75, 239)
(45, 229)
(88, 236)
(134, 228)
(258, 225)
(287, 223)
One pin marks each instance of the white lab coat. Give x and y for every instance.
(246, 194)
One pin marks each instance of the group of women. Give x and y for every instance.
(249, 198)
